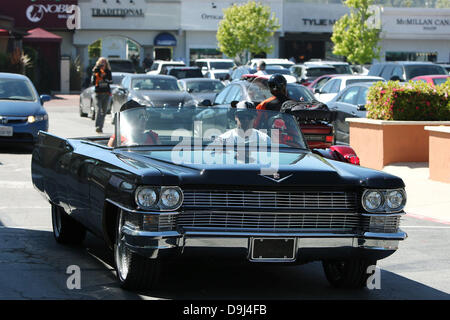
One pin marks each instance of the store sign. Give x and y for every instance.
(205, 15)
(311, 17)
(40, 13)
(426, 23)
(117, 12)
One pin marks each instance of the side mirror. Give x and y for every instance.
(206, 103)
(317, 90)
(190, 90)
(45, 98)
(361, 107)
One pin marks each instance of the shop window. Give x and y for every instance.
(411, 56)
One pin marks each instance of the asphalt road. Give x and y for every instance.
(34, 266)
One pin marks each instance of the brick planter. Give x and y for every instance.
(439, 142)
(379, 143)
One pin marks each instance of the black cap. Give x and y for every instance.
(277, 81)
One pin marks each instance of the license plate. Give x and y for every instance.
(6, 131)
(273, 249)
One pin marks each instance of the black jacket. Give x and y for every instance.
(103, 85)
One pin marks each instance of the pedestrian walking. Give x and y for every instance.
(101, 78)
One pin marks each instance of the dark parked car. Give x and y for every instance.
(122, 65)
(87, 104)
(22, 113)
(182, 72)
(349, 103)
(404, 70)
(201, 88)
(195, 195)
(150, 90)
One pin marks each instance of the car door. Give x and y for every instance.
(329, 90)
(345, 106)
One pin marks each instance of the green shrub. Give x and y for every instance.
(413, 101)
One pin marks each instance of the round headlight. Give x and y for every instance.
(146, 197)
(171, 198)
(394, 199)
(372, 200)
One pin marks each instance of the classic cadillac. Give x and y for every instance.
(174, 180)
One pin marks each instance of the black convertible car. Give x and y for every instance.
(212, 184)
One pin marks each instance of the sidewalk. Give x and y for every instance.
(425, 198)
(64, 100)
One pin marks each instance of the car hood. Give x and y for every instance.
(294, 169)
(161, 97)
(20, 108)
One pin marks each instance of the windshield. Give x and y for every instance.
(186, 73)
(317, 72)
(221, 65)
(343, 69)
(155, 84)
(170, 126)
(421, 70)
(16, 89)
(204, 86)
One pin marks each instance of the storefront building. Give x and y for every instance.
(307, 30)
(200, 21)
(129, 29)
(415, 34)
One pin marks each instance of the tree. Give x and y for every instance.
(245, 29)
(353, 38)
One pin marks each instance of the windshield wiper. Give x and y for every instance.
(18, 99)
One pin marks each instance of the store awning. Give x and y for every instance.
(165, 40)
(41, 35)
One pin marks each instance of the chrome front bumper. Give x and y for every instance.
(311, 246)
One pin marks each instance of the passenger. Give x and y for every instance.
(244, 132)
(139, 135)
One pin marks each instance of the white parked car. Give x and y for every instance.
(340, 66)
(330, 89)
(215, 65)
(285, 63)
(158, 65)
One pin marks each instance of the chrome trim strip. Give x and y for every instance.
(400, 235)
(161, 213)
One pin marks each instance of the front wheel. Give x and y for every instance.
(134, 271)
(348, 274)
(82, 114)
(65, 229)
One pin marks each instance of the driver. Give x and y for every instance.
(138, 134)
(244, 132)
(277, 85)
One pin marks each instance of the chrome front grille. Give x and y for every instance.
(277, 200)
(267, 222)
